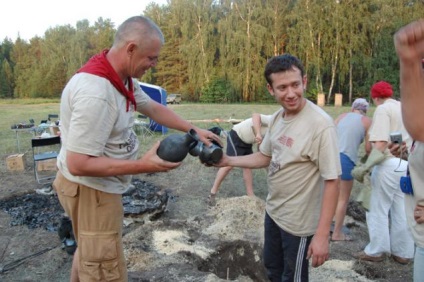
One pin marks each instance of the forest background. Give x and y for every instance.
(216, 50)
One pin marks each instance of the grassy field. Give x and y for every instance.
(21, 111)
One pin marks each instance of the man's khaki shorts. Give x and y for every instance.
(97, 224)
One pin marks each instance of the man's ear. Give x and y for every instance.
(270, 90)
(131, 47)
(305, 82)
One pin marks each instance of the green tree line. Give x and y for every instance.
(216, 50)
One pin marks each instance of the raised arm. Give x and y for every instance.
(409, 43)
(257, 124)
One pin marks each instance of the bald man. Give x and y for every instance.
(99, 148)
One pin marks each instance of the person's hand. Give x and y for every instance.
(152, 163)
(409, 41)
(258, 139)
(419, 214)
(207, 136)
(395, 149)
(318, 250)
(398, 150)
(223, 162)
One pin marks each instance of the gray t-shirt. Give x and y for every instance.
(351, 133)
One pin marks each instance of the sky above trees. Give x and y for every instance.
(28, 18)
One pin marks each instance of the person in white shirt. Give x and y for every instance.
(240, 140)
(386, 220)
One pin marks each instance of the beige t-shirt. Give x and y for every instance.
(416, 167)
(303, 153)
(245, 131)
(387, 119)
(94, 121)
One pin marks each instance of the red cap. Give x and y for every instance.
(381, 89)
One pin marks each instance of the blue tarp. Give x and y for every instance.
(158, 94)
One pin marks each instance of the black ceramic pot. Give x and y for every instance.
(175, 147)
(207, 154)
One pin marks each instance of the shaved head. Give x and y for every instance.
(139, 29)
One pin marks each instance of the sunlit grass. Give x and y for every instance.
(33, 101)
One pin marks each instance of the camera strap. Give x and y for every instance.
(407, 167)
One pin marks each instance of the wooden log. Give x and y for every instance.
(231, 120)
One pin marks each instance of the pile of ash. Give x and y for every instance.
(34, 210)
(45, 211)
(144, 197)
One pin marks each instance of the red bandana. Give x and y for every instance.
(100, 66)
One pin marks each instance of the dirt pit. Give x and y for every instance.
(182, 240)
(234, 259)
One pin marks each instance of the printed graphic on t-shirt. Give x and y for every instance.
(286, 141)
(130, 144)
(273, 168)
